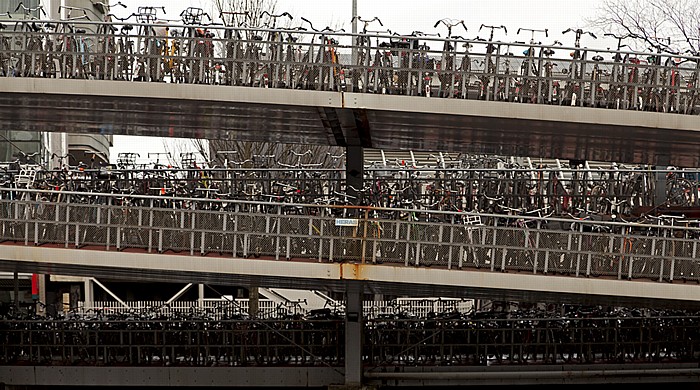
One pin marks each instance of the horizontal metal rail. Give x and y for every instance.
(385, 64)
(402, 237)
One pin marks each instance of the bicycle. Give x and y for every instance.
(490, 69)
(233, 47)
(445, 68)
(577, 69)
(363, 45)
(148, 53)
(200, 47)
(527, 88)
(275, 48)
(313, 74)
(381, 70)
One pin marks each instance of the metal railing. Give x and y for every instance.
(506, 189)
(479, 339)
(222, 308)
(190, 342)
(403, 237)
(415, 65)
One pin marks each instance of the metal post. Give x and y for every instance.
(253, 301)
(353, 334)
(89, 295)
(41, 307)
(660, 187)
(354, 41)
(200, 300)
(16, 289)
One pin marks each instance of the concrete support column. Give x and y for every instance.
(41, 306)
(89, 293)
(354, 170)
(663, 162)
(660, 188)
(353, 334)
(200, 298)
(253, 301)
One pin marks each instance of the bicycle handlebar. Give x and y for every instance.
(28, 10)
(106, 5)
(310, 24)
(287, 14)
(579, 32)
(367, 21)
(533, 31)
(449, 23)
(121, 19)
(494, 28)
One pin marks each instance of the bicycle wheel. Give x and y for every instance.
(679, 193)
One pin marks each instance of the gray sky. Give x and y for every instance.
(404, 17)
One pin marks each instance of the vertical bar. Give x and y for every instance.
(493, 244)
(408, 241)
(109, 221)
(235, 236)
(192, 227)
(449, 256)
(245, 244)
(201, 244)
(536, 249)
(77, 235)
(150, 227)
(67, 225)
(418, 253)
(320, 242)
(663, 256)
(580, 242)
(277, 238)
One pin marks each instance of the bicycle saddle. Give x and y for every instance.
(2, 26)
(127, 28)
(548, 52)
(598, 58)
(80, 31)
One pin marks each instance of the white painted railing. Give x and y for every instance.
(220, 308)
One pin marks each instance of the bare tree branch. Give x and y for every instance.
(654, 22)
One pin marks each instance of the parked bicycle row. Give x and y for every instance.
(478, 338)
(664, 248)
(146, 47)
(510, 188)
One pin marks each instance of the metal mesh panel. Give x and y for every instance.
(640, 260)
(687, 267)
(211, 226)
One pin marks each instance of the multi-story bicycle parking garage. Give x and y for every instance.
(607, 237)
